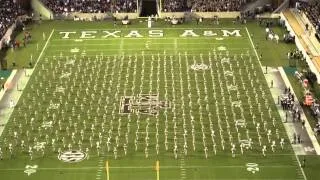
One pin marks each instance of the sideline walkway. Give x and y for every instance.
(309, 145)
(18, 84)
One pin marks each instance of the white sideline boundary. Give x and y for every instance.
(45, 46)
(256, 53)
(307, 124)
(27, 78)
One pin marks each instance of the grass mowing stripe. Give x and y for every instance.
(146, 54)
(137, 49)
(146, 167)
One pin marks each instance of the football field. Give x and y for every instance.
(166, 103)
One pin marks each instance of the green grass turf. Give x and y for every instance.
(311, 166)
(163, 69)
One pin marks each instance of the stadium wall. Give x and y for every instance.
(39, 7)
(300, 47)
(100, 16)
(8, 83)
(283, 6)
(91, 16)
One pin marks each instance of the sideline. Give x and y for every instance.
(19, 79)
(255, 51)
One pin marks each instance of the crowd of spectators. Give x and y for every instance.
(91, 6)
(312, 10)
(96, 6)
(9, 11)
(174, 5)
(216, 5)
(203, 5)
(125, 6)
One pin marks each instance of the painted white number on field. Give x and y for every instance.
(252, 167)
(72, 156)
(31, 169)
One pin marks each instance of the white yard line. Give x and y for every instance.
(140, 49)
(120, 48)
(182, 168)
(45, 46)
(139, 43)
(100, 168)
(256, 53)
(143, 167)
(175, 46)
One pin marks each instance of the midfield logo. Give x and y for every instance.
(252, 167)
(30, 169)
(143, 103)
(72, 156)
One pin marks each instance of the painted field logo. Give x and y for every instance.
(252, 167)
(29, 169)
(72, 156)
(143, 103)
(199, 67)
(245, 143)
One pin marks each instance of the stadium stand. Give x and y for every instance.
(125, 6)
(203, 5)
(174, 5)
(216, 5)
(91, 6)
(9, 11)
(312, 10)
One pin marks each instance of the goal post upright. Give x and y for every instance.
(158, 170)
(107, 169)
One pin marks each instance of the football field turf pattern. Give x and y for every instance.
(184, 102)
